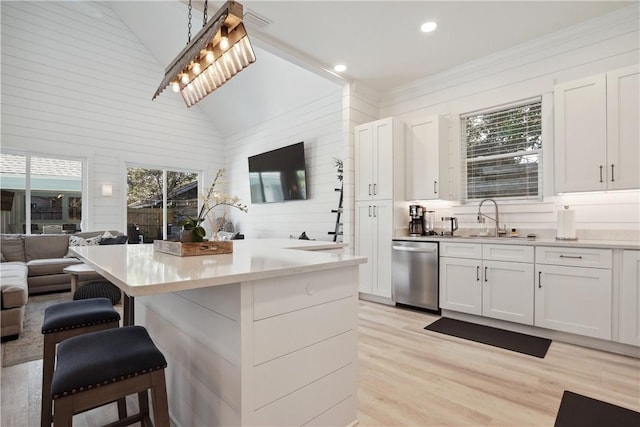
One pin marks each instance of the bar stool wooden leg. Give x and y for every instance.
(48, 362)
(159, 399)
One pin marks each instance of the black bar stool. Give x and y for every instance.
(97, 368)
(66, 320)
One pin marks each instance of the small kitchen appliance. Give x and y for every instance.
(449, 225)
(428, 223)
(416, 217)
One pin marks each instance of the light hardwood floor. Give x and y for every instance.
(412, 377)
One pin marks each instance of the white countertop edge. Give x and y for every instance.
(334, 261)
(597, 244)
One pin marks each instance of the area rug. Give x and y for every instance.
(577, 410)
(514, 341)
(28, 346)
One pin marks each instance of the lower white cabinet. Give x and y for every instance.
(374, 234)
(574, 299)
(486, 287)
(630, 298)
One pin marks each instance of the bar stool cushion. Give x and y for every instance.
(98, 358)
(78, 314)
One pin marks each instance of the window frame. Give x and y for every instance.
(539, 152)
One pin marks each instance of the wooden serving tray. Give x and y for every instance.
(217, 247)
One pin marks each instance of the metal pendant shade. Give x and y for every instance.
(219, 51)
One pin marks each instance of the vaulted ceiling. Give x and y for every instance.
(298, 42)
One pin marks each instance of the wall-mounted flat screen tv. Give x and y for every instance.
(278, 175)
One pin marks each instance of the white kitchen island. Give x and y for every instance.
(263, 336)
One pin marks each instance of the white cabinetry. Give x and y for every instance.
(379, 178)
(596, 132)
(488, 280)
(427, 172)
(630, 298)
(378, 145)
(374, 234)
(573, 290)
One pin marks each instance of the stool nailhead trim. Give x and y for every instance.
(83, 325)
(113, 380)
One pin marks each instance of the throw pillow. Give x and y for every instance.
(117, 240)
(79, 241)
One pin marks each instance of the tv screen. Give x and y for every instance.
(278, 175)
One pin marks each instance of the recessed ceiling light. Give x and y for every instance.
(427, 27)
(339, 68)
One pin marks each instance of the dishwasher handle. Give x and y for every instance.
(414, 249)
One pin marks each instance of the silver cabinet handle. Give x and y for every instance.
(485, 274)
(435, 191)
(374, 189)
(369, 211)
(600, 173)
(477, 273)
(370, 189)
(375, 214)
(539, 279)
(571, 256)
(612, 178)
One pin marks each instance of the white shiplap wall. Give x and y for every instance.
(76, 82)
(317, 122)
(529, 70)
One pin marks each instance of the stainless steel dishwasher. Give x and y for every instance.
(415, 274)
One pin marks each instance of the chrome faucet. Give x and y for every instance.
(496, 219)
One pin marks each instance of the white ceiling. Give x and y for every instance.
(379, 41)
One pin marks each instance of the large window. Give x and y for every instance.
(502, 151)
(40, 194)
(156, 197)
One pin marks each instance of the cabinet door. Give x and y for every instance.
(507, 292)
(365, 244)
(383, 223)
(574, 299)
(630, 298)
(424, 159)
(461, 285)
(365, 150)
(580, 135)
(383, 159)
(623, 139)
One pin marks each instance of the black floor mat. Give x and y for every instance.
(514, 341)
(582, 411)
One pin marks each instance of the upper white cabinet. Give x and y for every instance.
(427, 172)
(379, 145)
(630, 298)
(596, 132)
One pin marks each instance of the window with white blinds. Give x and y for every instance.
(503, 153)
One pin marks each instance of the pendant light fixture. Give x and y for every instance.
(219, 51)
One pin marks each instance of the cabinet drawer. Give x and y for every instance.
(578, 257)
(285, 294)
(461, 250)
(516, 253)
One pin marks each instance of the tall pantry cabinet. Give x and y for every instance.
(379, 176)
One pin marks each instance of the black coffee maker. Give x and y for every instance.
(416, 213)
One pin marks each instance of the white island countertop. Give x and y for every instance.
(138, 270)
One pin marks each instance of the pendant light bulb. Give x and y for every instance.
(196, 68)
(184, 78)
(209, 57)
(175, 86)
(224, 38)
